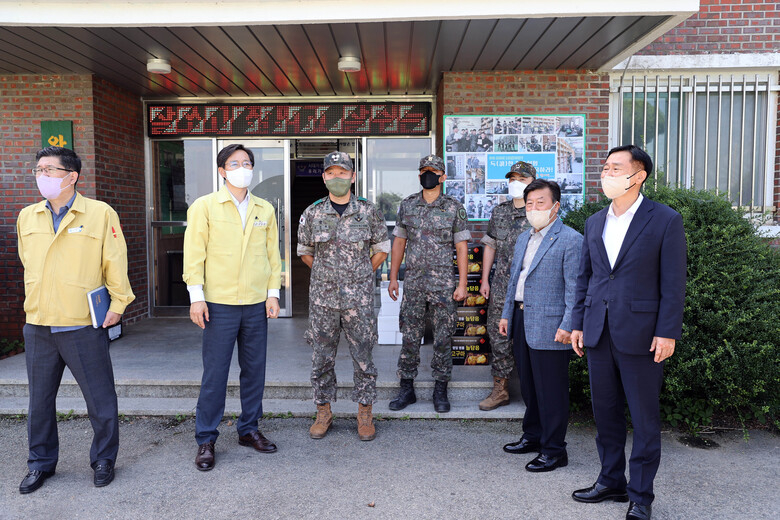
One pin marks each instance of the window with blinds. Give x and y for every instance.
(711, 131)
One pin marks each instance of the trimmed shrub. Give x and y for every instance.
(727, 360)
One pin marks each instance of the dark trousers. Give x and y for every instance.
(617, 378)
(228, 324)
(544, 385)
(85, 353)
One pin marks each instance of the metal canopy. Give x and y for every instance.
(294, 60)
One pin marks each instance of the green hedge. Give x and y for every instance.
(727, 360)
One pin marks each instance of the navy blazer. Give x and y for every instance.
(549, 291)
(644, 292)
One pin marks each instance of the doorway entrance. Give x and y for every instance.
(288, 174)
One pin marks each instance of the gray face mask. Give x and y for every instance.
(338, 186)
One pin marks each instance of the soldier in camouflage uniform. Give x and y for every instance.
(430, 224)
(506, 224)
(343, 239)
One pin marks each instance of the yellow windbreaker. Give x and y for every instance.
(235, 266)
(87, 251)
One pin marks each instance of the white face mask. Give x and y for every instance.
(539, 218)
(240, 177)
(614, 187)
(517, 189)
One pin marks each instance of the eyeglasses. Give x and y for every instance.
(232, 165)
(47, 171)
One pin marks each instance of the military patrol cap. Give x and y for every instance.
(522, 168)
(338, 159)
(434, 161)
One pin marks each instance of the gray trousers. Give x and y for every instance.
(85, 353)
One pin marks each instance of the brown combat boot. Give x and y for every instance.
(498, 397)
(322, 423)
(366, 429)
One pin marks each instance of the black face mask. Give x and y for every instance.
(429, 180)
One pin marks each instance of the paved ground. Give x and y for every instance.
(414, 469)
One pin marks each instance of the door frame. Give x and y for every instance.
(282, 220)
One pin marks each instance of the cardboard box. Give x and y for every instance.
(474, 257)
(471, 322)
(473, 298)
(387, 323)
(470, 350)
(390, 308)
(388, 338)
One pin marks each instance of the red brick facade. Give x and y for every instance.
(97, 110)
(728, 27)
(534, 92)
(723, 27)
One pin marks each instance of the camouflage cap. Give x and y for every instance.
(522, 168)
(338, 159)
(434, 161)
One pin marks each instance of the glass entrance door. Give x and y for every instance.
(271, 182)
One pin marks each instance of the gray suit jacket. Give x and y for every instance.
(550, 286)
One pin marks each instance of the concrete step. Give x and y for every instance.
(473, 391)
(185, 406)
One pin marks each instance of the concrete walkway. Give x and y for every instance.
(418, 469)
(157, 368)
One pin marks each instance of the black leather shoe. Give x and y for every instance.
(638, 511)
(440, 402)
(205, 459)
(405, 397)
(33, 480)
(544, 463)
(599, 493)
(522, 446)
(257, 441)
(104, 473)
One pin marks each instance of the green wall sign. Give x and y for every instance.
(57, 133)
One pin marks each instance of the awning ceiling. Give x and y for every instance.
(399, 57)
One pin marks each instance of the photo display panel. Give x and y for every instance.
(480, 150)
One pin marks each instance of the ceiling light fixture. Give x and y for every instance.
(349, 64)
(158, 66)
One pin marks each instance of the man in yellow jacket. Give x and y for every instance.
(69, 245)
(232, 268)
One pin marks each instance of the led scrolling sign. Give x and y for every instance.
(306, 119)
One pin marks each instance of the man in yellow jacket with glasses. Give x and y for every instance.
(69, 245)
(232, 268)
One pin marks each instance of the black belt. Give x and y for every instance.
(519, 305)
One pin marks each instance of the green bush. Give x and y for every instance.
(727, 360)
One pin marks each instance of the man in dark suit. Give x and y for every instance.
(628, 314)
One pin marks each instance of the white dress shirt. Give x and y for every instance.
(530, 251)
(615, 229)
(196, 291)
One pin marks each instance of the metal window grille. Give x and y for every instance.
(711, 131)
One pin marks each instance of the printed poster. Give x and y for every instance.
(480, 150)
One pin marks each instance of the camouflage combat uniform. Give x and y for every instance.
(506, 224)
(431, 231)
(341, 294)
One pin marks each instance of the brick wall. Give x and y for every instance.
(724, 27)
(26, 100)
(119, 161)
(728, 27)
(534, 92)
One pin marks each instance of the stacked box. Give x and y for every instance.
(387, 320)
(470, 344)
(470, 350)
(475, 260)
